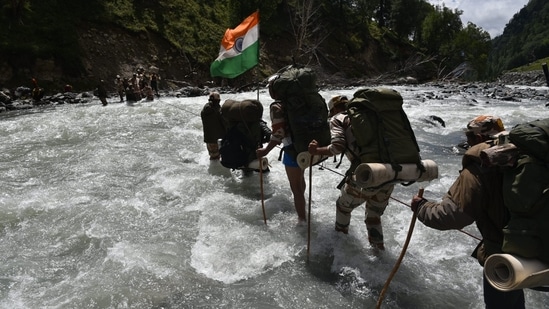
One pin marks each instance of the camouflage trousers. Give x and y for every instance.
(376, 201)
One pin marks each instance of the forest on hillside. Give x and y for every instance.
(525, 38)
(401, 33)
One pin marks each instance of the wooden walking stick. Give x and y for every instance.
(261, 188)
(309, 211)
(397, 264)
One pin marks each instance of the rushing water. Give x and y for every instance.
(120, 207)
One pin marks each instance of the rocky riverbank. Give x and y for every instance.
(20, 100)
(534, 88)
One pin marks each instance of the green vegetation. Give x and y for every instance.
(524, 40)
(398, 29)
(533, 66)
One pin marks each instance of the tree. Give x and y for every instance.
(14, 9)
(406, 17)
(307, 31)
(439, 29)
(473, 45)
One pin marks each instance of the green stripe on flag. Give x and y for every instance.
(234, 66)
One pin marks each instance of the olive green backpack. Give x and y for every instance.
(304, 108)
(381, 127)
(526, 192)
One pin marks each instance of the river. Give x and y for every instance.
(120, 207)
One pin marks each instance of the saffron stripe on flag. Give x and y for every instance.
(251, 37)
(231, 35)
(239, 49)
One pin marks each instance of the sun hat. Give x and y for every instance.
(485, 125)
(336, 101)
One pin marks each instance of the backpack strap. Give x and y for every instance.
(348, 174)
(381, 139)
(340, 159)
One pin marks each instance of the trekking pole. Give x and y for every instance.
(397, 264)
(309, 212)
(261, 188)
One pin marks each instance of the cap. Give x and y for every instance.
(214, 96)
(336, 101)
(485, 125)
(117, 76)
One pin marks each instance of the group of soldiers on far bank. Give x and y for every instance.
(141, 85)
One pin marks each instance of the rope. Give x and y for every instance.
(464, 232)
(309, 212)
(188, 111)
(402, 253)
(322, 167)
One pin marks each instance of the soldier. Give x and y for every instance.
(119, 84)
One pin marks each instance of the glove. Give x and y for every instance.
(417, 202)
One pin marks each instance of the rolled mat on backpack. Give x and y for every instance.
(369, 175)
(255, 164)
(507, 272)
(304, 159)
(246, 110)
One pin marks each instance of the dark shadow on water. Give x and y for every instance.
(320, 266)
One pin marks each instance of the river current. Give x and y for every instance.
(120, 207)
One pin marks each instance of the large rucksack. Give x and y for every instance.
(381, 128)
(244, 133)
(305, 109)
(237, 149)
(526, 192)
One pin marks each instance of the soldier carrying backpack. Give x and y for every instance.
(298, 115)
(369, 128)
(246, 132)
(477, 195)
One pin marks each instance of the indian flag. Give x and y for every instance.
(239, 50)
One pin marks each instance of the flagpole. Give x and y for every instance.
(258, 59)
(309, 212)
(256, 75)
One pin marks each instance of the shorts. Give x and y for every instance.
(287, 160)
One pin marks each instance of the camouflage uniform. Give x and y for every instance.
(119, 84)
(352, 195)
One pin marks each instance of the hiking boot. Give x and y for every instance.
(378, 246)
(344, 230)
